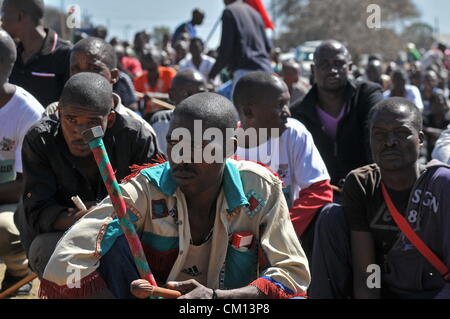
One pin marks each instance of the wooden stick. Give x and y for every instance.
(156, 100)
(162, 103)
(141, 288)
(17, 285)
(157, 95)
(336, 189)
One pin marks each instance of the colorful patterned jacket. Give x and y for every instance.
(251, 199)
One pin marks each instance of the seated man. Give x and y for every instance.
(18, 111)
(59, 165)
(155, 79)
(400, 88)
(366, 255)
(441, 150)
(291, 73)
(190, 217)
(184, 84)
(263, 103)
(335, 112)
(198, 60)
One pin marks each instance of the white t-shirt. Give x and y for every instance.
(441, 150)
(293, 156)
(204, 68)
(16, 117)
(412, 94)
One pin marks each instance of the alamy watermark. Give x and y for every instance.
(213, 145)
(374, 19)
(374, 279)
(73, 20)
(74, 279)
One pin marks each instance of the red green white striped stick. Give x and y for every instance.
(93, 137)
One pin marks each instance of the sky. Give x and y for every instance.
(124, 18)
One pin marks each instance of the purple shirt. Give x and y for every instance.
(330, 123)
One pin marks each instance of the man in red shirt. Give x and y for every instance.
(156, 78)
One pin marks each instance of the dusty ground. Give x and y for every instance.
(34, 291)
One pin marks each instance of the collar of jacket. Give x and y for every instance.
(161, 177)
(49, 45)
(308, 105)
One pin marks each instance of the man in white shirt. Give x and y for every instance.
(441, 150)
(18, 111)
(288, 148)
(400, 88)
(197, 60)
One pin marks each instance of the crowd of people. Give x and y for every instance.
(352, 171)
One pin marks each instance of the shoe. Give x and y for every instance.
(10, 281)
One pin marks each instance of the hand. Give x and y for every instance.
(191, 289)
(66, 219)
(147, 98)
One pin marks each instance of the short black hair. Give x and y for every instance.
(392, 105)
(152, 55)
(213, 109)
(400, 71)
(88, 90)
(198, 40)
(188, 77)
(34, 8)
(99, 48)
(332, 45)
(253, 87)
(8, 55)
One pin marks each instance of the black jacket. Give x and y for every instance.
(52, 176)
(351, 148)
(45, 74)
(244, 44)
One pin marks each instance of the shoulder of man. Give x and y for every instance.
(363, 176)
(161, 116)
(438, 169)
(28, 103)
(366, 87)
(304, 105)
(126, 123)
(253, 172)
(43, 129)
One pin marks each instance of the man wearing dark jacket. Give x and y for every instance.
(58, 164)
(335, 111)
(244, 46)
(42, 65)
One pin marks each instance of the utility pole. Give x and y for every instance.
(126, 30)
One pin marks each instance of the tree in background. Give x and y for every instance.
(158, 35)
(422, 34)
(346, 21)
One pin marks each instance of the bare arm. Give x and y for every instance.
(191, 289)
(363, 255)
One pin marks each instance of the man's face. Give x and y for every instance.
(331, 69)
(197, 18)
(290, 75)
(10, 19)
(74, 121)
(273, 112)
(85, 62)
(394, 140)
(150, 64)
(193, 178)
(430, 80)
(374, 72)
(196, 48)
